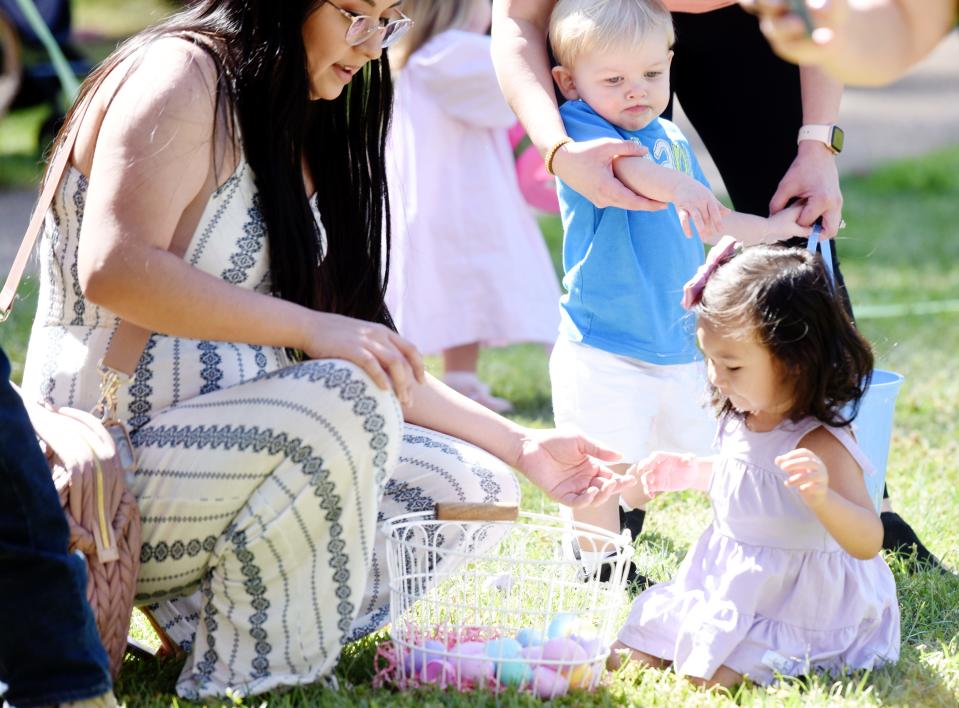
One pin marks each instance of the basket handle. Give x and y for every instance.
(462, 511)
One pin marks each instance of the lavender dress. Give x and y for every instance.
(766, 588)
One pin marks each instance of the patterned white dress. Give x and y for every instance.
(260, 483)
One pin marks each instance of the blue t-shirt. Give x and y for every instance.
(625, 270)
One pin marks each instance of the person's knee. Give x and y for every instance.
(347, 397)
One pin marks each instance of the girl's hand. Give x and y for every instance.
(695, 202)
(667, 472)
(569, 468)
(587, 167)
(807, 474)
(390, 360)
(785, 224)
(813, 178)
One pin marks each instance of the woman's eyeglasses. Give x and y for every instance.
(362, 27)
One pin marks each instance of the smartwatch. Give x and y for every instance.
(831, 135)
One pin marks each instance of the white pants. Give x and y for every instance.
(262, 551)
(629, 405)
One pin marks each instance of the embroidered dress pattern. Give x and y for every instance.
(260, 483)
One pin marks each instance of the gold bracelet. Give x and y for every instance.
(551, 153)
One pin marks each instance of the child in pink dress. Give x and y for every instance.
(787, 579)
(469, 266)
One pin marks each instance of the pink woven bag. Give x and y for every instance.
(90, 454)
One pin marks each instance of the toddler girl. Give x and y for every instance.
(787, 578)
(469, 263)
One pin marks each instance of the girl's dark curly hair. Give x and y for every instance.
(784, 297)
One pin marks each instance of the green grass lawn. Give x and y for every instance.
(901, 246)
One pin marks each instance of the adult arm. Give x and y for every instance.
(860, 42)
(522, 67)
(569, 468)
(813, 176)
(152, 165)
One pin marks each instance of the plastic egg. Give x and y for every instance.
(505, 648)
(564, 649)
(548, 684)
(440, 672)
(469, 659)
(528, 636)
(563, 624)
(431, 650)
(593, 647)
(532, 653)
(580, 676)
(513, 673)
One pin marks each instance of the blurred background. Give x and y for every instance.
(914, 116)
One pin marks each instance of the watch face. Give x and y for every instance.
(837, 138)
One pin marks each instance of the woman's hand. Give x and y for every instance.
(569, 468)
(667, 472)
(807, 474)
(390, 360)
(587, 167)
(814, 178)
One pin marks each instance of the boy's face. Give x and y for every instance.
(628, 86)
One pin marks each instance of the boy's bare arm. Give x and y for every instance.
(712, 219)
(696, 204)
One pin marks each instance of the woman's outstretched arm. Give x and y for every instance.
(569, 468)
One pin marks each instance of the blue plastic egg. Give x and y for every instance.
(513, 673)
(563, 624)
(505, 648)
(528, 636)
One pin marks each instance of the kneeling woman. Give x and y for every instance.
(275, 413)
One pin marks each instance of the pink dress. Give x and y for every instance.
(767, 588)
(469, 263)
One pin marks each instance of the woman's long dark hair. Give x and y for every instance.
(258, 48)
(783, 296)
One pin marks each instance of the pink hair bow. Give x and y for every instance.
(719, 254)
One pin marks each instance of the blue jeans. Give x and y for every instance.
(50, 651)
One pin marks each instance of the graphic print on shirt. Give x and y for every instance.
(675, 156)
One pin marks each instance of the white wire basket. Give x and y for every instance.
(483, 604)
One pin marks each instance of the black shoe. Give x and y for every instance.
(898, 537)
(633, 577)
(632, 520)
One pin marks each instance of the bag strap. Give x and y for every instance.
(824, 250)
(129, 340)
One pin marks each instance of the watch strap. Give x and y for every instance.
(825, 134)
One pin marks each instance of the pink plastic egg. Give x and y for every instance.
(476, 669)
(564, 649)
(440, 672)
(532, 653)
(547, 683)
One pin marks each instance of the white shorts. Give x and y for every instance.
(630, 405)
